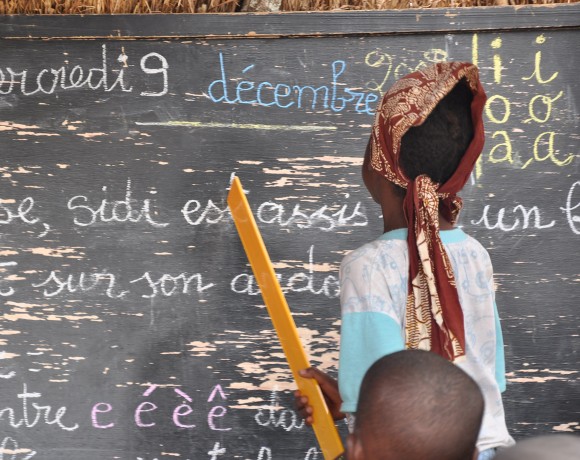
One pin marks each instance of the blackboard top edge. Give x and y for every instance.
(289, 24)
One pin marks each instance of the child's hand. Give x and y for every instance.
(329, 387)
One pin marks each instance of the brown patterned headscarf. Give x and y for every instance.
(434, 319)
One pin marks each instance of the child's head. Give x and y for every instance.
(435, 147)
(415, 405)
(426, 123)
(426, 138)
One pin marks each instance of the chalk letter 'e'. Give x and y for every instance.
(279, 95)
(96, 410)
(213, 414)
(179, 413)
(141, 408)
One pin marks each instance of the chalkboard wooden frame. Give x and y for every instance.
(287, 25)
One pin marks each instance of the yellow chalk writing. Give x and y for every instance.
(401, 70)
(537, 65)
(496, 44)
(506, 109)
(551, 152)
(547, 101)
(378, 58)
(542, 107)
(475, 49)
(375, 59)
(506, 144)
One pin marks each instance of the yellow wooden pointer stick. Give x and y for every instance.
(323, 425)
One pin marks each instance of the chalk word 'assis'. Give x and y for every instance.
(244, 283)
(101, 77)
(323, 218)
(248, 90)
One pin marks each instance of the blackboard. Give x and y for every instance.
(130, 325)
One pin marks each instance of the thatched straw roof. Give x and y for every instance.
(230, 6)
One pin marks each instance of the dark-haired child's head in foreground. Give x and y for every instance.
(415, 405)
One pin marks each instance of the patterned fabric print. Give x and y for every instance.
(418, 317)
(423, 300)
(455, 207)
(408, 103)
(379, 162)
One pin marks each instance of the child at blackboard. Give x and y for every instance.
(424, 284)
(416, 405)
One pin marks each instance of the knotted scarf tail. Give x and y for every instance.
(434, 319)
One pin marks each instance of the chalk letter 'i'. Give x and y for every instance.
(496, 44)
(540, 40)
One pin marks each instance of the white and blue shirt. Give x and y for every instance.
(373, 294)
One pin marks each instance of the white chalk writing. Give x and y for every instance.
(515, 223)
(9, 446)
(573, 219)
(168, 285)
(165, 285)
(21, 211)
(322, 219)
(10, 374)
(152, 71)
(48, 80)
(7, 292)
(33, 413)
(287, 419)
(245, 283)
(56, 284)
(112, 211)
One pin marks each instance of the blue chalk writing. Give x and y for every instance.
(334, 96)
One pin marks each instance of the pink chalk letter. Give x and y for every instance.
(96, 410)
(217, 390)
(182, 411)
(183, 395)
(213, 414)
(141, 408)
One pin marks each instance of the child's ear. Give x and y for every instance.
(354, 448)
